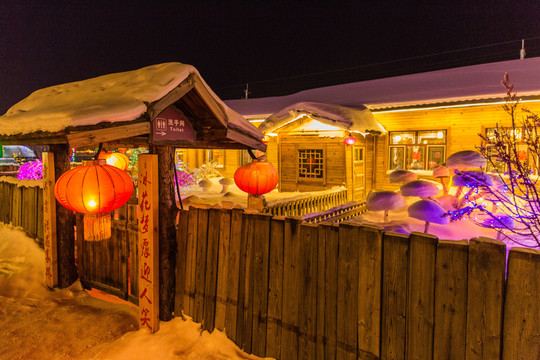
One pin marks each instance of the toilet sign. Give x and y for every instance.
(170, 126)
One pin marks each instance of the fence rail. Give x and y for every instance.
(282, 288)
(307, 205)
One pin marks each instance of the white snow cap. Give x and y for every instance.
(347, 118)
(472, 179)
(384, 200)
(402, 176)
(430, 211)
(421, 188)
(466, 159)
(109, 98)
(441, 171)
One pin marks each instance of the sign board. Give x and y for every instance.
(170, 126)
(49, 221)
(148, 216)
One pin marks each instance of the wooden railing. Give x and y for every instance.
(337, 214)
(307, 205)
(21, 204)
(286, 289)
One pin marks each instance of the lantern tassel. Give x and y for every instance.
(97, 227)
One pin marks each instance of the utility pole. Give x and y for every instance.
(522, 51)
(246, 92)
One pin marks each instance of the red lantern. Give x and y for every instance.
(94, 189)
(257, 177)
(349, 140)
(116, 159)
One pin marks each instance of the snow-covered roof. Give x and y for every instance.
(477, 82)
(348, 118)
(111, 98)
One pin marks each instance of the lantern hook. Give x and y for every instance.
(100, 147)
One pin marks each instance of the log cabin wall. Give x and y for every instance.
(463, 124)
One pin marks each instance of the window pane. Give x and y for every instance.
(432, 137)
(435, 156)
(397, 158)
(415, 158)
(401, 137)
(358, 154)
(218, 155)
(310, 164)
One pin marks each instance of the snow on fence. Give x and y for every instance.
(306, 204)
(282, 288)
(22, 205)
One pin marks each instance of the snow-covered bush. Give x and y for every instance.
(32, 170)
(206, 171)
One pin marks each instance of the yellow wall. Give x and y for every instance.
(463, 124)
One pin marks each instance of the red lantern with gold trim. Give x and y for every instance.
(94, 189)
(349, 140)
(257, 177)
(116, 159)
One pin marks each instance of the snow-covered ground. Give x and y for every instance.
(37, 323)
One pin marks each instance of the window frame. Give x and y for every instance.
(317, 180)
(404, 150)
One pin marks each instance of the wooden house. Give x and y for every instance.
(427, 117)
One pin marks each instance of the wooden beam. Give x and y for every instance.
(212, 104)
(94, 137)
(245, 140)
(177, 93)
(31, 140)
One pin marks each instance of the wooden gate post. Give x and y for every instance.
(148, 253)
(49, 221)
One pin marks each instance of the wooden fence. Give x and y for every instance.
(22, 206)
(291, 290)
(306, 205)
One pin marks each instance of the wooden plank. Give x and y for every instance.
(148, 216)
(94, 137)
(181, 262)
(39, 233)
(191, 259)
(224, 278)
(331, 290)
(200, 264)
(275, 288)
(521, 334)
(487, 261)
(394, 295)
(123, 253)
(307, 315)
(450, 300)
(369, 292)
(233, 268)
(291, 283)
(321, 291)
(245, 285)
(261, 242)
(210, 285)
(133, 263)
(347, 296)
(17, 206)
(420, 296)
(79, 239)
(49, 221)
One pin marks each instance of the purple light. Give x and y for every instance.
(31, 171)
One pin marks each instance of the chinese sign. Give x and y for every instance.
(49, 221)
(147, 214)
(171, 125)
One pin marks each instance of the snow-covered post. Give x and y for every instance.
(49, 221)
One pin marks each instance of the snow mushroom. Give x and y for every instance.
(442, 173)
(225, 184)
(463, 160)
(420, 188)
(472, 180)
(384, 201)
(428, 211)
(401, 176)
(205, 185)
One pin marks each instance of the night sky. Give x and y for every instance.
(277, 47)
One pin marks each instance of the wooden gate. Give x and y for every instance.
(111, 265)
(359, 173)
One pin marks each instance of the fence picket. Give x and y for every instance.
(210, 285)
(245, 285)
(485, 298)
(200, 264)
(223, 279)
(181, 262)
(275, 288)
(522, 307)
(191, 258)
(233, 268)
(450, 300)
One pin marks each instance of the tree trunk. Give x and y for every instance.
(65, 221)
(167, 230)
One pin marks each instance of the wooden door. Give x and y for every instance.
(359, 172)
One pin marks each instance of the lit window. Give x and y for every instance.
(417, 150)
(310, 164)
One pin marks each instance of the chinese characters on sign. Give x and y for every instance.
(148, 243)
(49, 221)
(171, 125)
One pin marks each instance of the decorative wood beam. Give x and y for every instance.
(94, 137)
(246, 140)
(212, 104)
(177, 93)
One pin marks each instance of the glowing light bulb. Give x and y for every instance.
(440, 135)
(92, 203)
(397, 139)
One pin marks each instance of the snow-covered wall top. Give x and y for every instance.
(109, 98)
(459, 84)
(352, 119)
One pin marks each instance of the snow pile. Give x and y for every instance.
(22, 182)
(348, 118)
